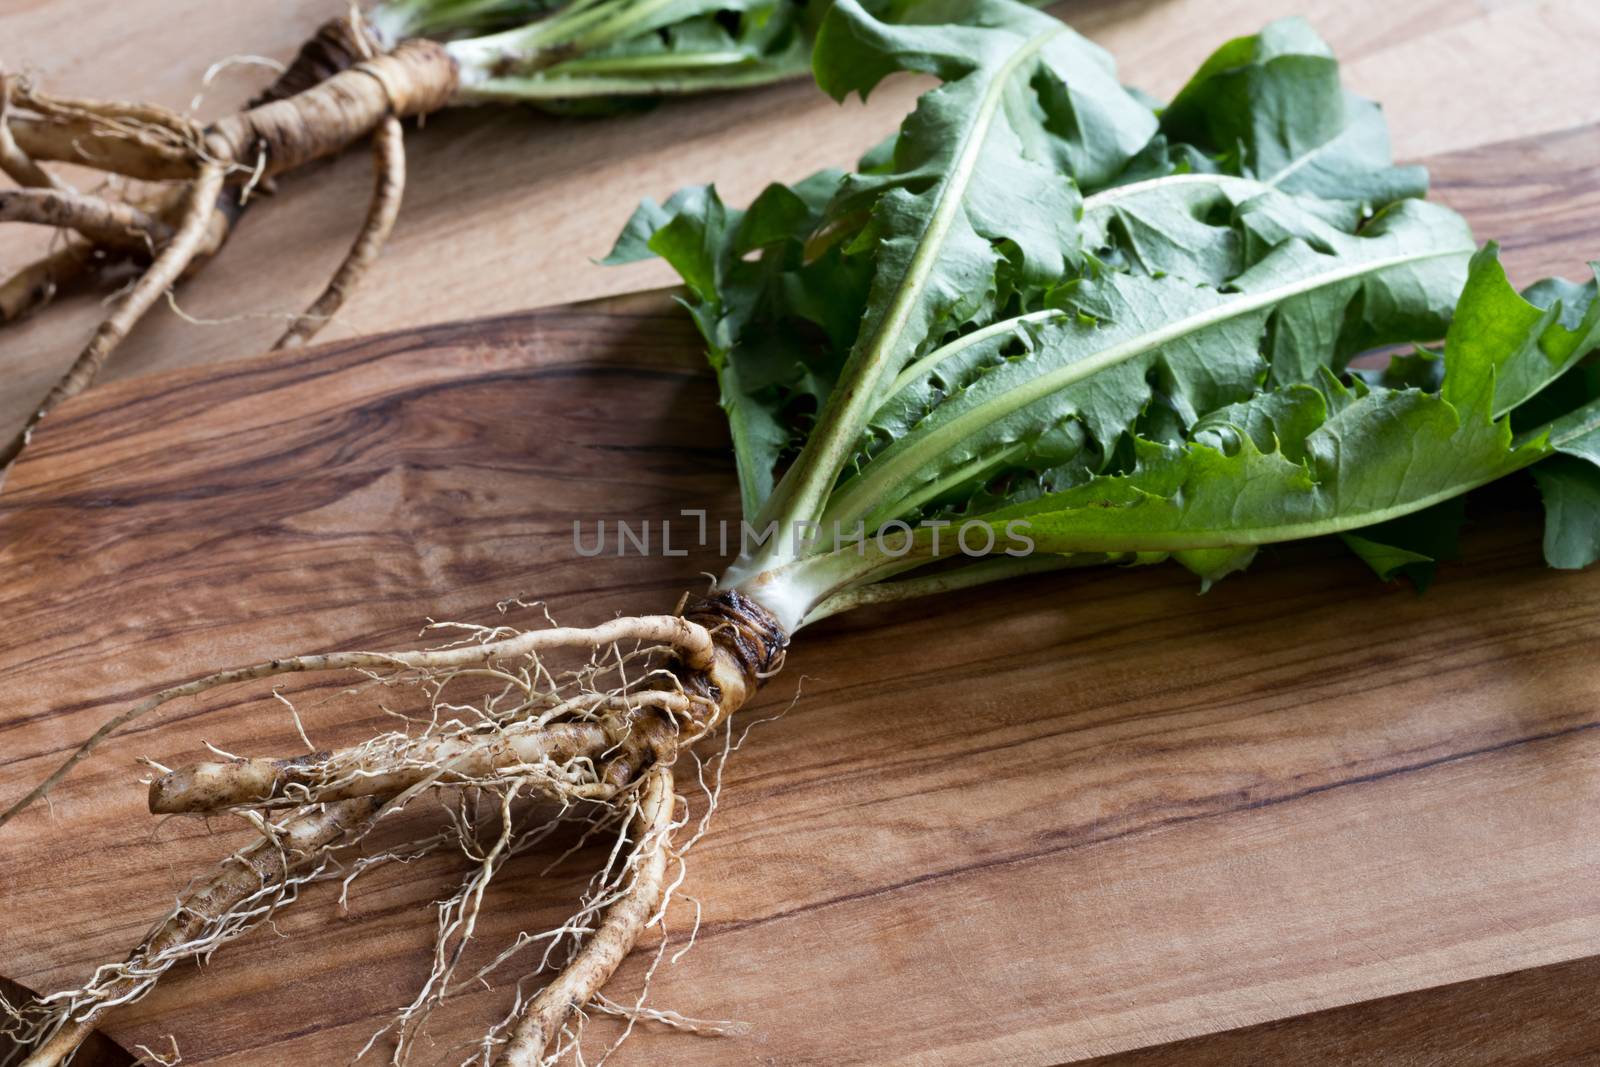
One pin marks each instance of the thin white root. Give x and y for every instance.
(691, 642)
(164, 270)
(149, 1057)
(389, 183)
(246, 889)
(672, 1020)
(546, 1015)
(458, 918)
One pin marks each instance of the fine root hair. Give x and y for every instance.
(246, 888)
(518, 732)
(690, 642)
(627, 910)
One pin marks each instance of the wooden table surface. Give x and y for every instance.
(1304, 819)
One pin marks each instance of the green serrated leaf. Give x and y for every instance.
(1387, 561)
(1375, 458)
(1201, 348)
(1271, 107)
(1571, 491)
(1045, 301)
(1211, 565)
(976, 166)
(1517, 347)
(1413, 545)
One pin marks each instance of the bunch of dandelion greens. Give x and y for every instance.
(359, 75)
(1046, 309)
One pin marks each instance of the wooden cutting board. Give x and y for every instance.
(1317, 818)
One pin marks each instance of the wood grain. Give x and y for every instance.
(1105, 814)
(1542, 1017)
(1306, 818)
(541, 197)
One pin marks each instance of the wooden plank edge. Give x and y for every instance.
(1538, 1017)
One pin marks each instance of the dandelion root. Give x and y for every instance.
(338, 90)
(108, 222)
(599, 739)
(39, 282)
(245, 888)
(619, 931)
(690, 641)
(416, 78)
(165, 269)
(372, 770)
(389, 178)
(14, 162)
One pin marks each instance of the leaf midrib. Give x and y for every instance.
(1178, 541)
(845, 417)
(1108, 198)
(888, 470)
(1101, 201)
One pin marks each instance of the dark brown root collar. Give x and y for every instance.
(745, 633)
(748, 647)
(338, 45)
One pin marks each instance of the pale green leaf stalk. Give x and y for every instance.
(596, 54)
